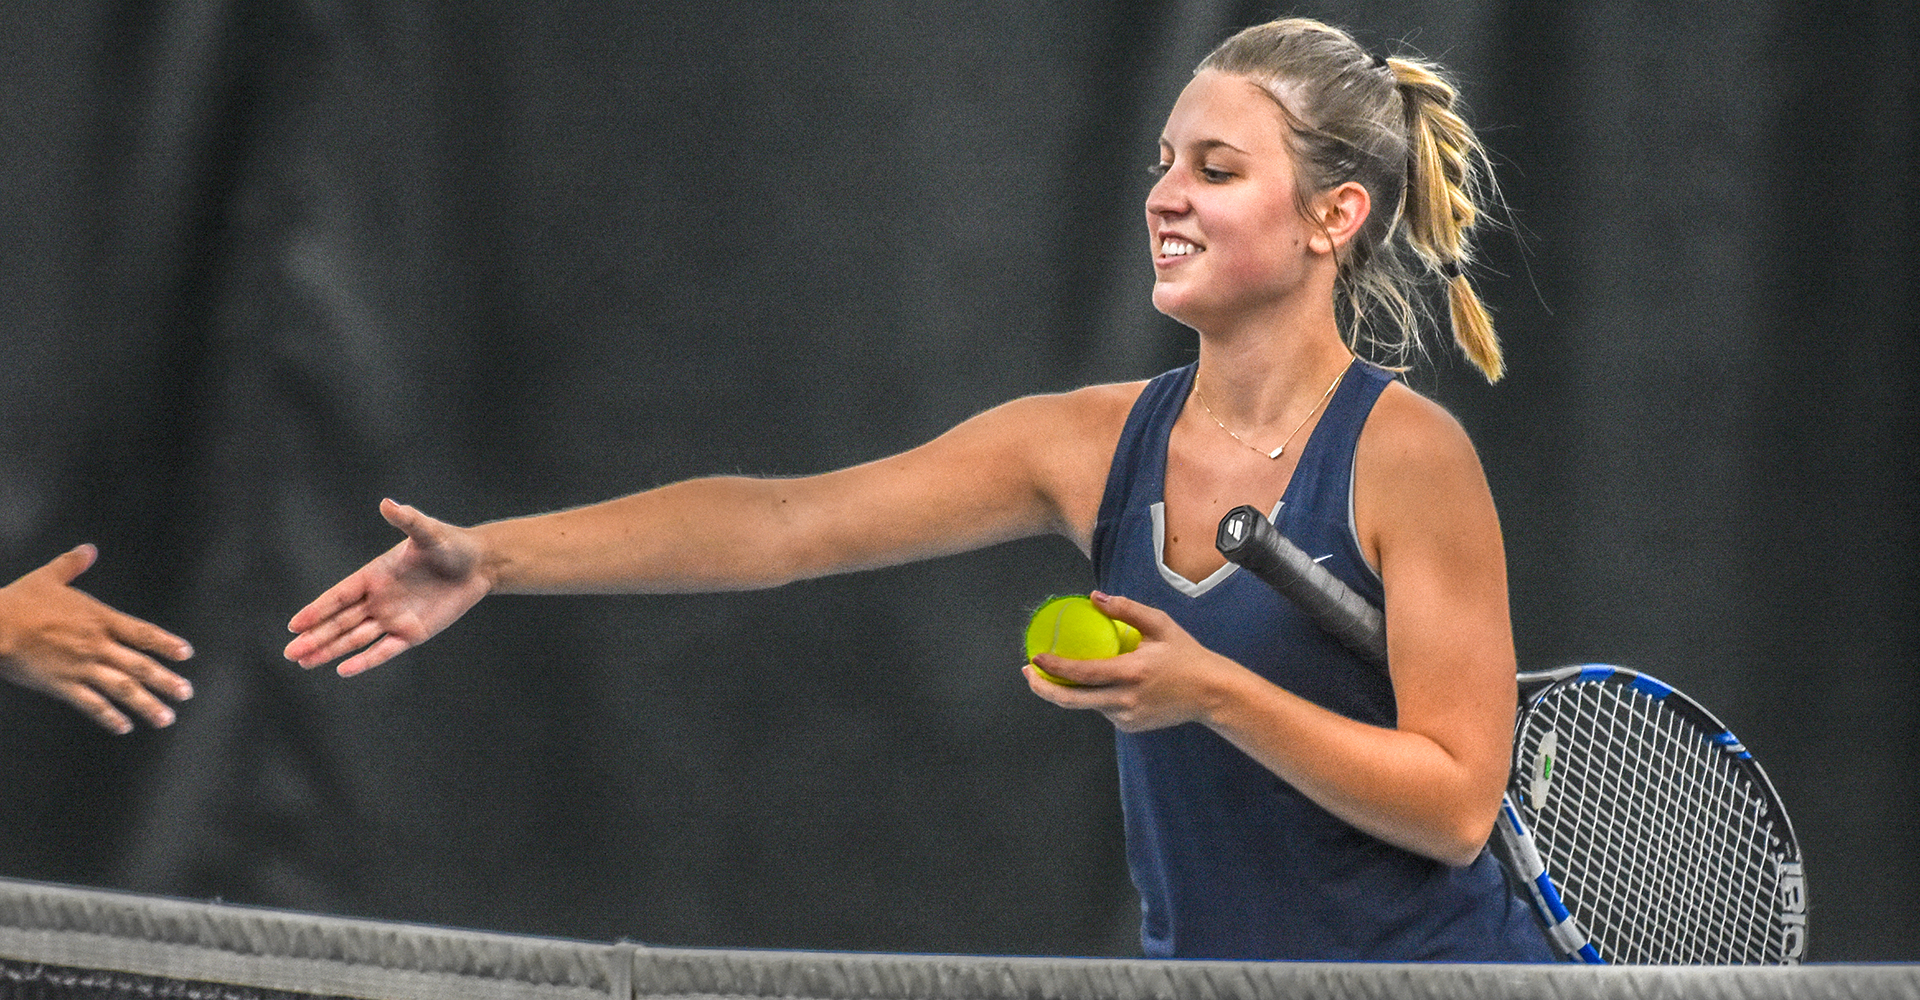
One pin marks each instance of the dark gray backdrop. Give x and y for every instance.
(267, 262)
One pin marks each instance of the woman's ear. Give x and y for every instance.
(1341, 212)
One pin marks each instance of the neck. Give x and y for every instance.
(1273, 378)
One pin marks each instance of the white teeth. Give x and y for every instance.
(1178, 248)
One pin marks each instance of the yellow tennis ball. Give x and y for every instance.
(1074, 628)
(1129, 636)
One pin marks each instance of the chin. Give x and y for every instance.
(1169, 301)
(1176, 308)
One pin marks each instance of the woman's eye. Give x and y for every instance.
(1212, 174)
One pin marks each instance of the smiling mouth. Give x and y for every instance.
(1173, 247)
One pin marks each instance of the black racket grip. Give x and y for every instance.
(1248, 539)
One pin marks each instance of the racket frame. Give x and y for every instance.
(1246, 538)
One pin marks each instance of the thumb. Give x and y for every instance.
(68, 565)
(418, 526)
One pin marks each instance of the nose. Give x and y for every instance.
(1167, 197)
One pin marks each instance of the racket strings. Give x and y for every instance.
(1654, 893)
(1665, 901)
(1655, 834)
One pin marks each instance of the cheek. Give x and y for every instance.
(1257, 254)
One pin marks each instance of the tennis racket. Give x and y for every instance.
(1638, 827)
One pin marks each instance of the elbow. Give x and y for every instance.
(1463, 853)
(1454, 852)
(1461, 845)
(1454, 841)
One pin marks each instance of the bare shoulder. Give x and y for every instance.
(1416, 471)
(1408, 433)
(1053, 424)
(1065, 441)
(1085, 408)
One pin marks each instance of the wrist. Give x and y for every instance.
(1224, 694)
(491, 565)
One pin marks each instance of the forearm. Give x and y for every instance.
(1401, 786)
(724, 533)
(736, 533)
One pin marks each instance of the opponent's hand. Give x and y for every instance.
(1168, 680)
(398, 601)
(59, 641)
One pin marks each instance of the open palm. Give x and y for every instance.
(402, 598)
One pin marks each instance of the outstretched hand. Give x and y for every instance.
(1169, 679)
(398, 601)
(59, 641)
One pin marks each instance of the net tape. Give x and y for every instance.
(60, 941)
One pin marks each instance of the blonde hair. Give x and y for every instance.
(1389, 124)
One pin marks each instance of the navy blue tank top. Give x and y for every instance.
(1230, 861)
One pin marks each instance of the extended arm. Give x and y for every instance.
(1020, 469)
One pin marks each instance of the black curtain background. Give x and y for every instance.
(269, 261)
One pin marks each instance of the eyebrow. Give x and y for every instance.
(1208, 145)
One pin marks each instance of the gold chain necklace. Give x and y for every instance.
(1277, 452)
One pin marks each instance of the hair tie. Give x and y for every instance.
(1379, 61)
(1451, 269)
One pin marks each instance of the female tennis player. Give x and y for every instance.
(1282, 798)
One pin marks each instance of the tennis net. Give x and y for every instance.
(62, 943)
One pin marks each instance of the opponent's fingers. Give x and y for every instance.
(67, 566)
(142, 672)
(92, 705)
(388, 647)
(140, 634)
(125, 688)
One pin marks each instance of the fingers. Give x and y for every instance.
(142, 677)
(1148, 619)
(138, 634)
(353, 589)
(350, 629)
(67, 566)
(322, 625)
(136, 698)
(1060, 671)
(422, 529)
(1112, 670)
(97, 708)
(386, 648)
(118, 681)
(337, 599)
(352, 640)
(1077, 695)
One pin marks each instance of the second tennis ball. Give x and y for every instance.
(1073, 627)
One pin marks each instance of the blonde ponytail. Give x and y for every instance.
(1389, 125)
(1446, 170)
